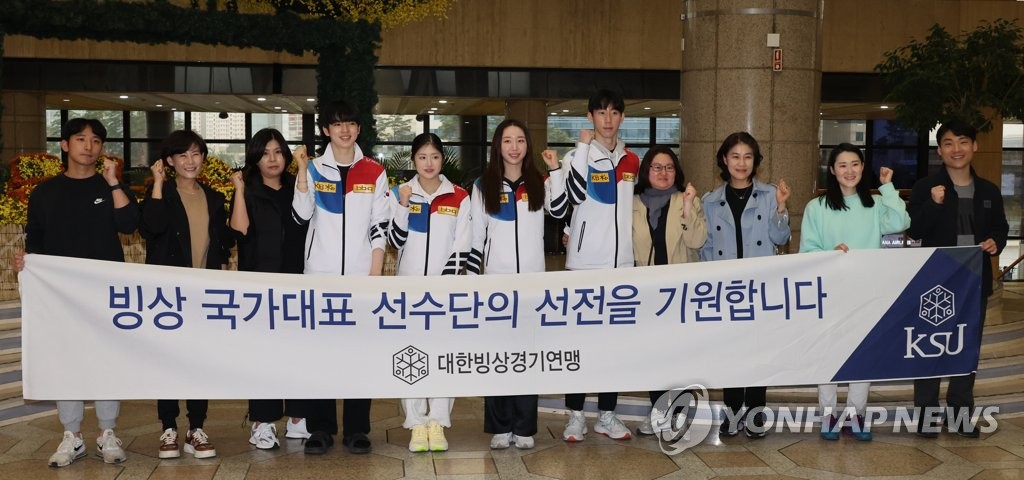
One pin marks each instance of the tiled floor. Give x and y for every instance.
(1000, 455)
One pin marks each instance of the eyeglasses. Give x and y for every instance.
(663, 168)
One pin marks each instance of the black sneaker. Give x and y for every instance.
(727, 429)
(755, 428)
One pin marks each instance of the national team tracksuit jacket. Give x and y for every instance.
(346, 222)
(600, 186)
(433, 233)
(512, 240)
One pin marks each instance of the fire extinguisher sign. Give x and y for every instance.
(777, 59)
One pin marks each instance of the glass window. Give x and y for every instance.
(1013, 134)
(179, 120)
(111, 119)
(834, 132)
(53, 148)
(140, 157)
(1013, 189)
(566, 130)
(395, 158)
(448, 127)
(210, 126)
(114, 149)
(399, 128)
(138, 124)
(492, 125)
(902, 161)
(635, 130)
(53, 124)
(232, 154)
(889, 133)
(667, 131)
(289, 124)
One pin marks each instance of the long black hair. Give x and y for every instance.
(643, 182)
(254, 153)
(490, 181)
(834, 192)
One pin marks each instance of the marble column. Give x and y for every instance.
(729, 85)
(23, 123)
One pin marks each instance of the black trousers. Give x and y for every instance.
(168, 410)
(752, 397)
(273, 410)
(322, 416)
(513, 413)
(605, 401)
(960, 393)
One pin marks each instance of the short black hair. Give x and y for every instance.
(77, 125)
(337, 111)
(731, 141)
(180, 141)
(959, 128)
(604, 98)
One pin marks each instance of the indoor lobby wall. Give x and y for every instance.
(597, 34)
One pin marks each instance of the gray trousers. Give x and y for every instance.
(71, 413)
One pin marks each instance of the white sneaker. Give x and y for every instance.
(609, 424)
(524, 443)
(296, 430)
(653, 423)
(264, 436)
(645, 427)
(501, 441)
(576, 429)
(71, 448)
(108, 446)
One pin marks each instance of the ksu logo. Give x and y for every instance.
(936, 306)
(410, 365)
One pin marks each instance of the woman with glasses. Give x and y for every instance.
(668, 227)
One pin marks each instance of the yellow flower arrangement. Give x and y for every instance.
(27, 171)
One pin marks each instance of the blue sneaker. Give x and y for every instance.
(828, 428)
(856, 429)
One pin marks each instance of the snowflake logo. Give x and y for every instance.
(410, 365)
(937, 305)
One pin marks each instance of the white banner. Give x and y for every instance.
(102, 330)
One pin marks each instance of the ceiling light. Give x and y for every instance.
(442, 101)
(159, 105)
(123, 97)
(67, 99)
(174, 108)
(647, 108)
(433, 109)
(310, 99)
(261, 99)
(565, 110)
(884, 107)
(554, 113)
(277, 108)
(675, 114)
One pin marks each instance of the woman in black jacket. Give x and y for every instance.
(269, 240)
(185, 225)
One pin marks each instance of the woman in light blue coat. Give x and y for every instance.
(746, 218)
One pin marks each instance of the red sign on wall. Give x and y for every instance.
(777, 59)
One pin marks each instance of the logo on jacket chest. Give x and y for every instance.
(447, 210)
(326, 187)
(628, 177)
(415, 208)
(363, 188)
(600, 177)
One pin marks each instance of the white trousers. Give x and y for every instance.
(856, 397)
(420, 411)
(72, 412)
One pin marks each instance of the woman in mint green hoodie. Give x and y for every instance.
(847, 216)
